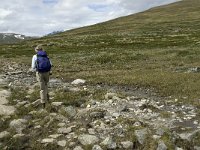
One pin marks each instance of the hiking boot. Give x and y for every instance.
(43, 105)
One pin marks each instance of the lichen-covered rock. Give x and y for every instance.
(161, 146)
(127, 145)
(96, 147)
(4, 134)
(86, 139)
(141, 135)
(18, 124)
(109, 143)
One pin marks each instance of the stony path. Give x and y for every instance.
(134, 121)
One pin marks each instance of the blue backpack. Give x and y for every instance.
(43, 62)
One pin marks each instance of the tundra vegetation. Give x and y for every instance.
(157, 50)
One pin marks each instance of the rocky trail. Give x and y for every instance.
(126, 118)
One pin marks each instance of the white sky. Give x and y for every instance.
(40, 17)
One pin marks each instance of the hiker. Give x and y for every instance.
(42, 65)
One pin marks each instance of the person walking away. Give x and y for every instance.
(42, 65)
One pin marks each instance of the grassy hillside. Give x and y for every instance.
(153, 49)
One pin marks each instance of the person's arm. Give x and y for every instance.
(33, 65)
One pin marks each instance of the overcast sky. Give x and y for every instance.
(40, 17)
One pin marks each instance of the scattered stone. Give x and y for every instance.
(15, 73)
(4, 134)
(161, 145)
(61, 124)
(74, 89)
(19, 104)
(55, 136)
(37, 127)
(78, 81)
(96, 147)
(86, 139)
(91, 131)
(57, 104)
(70, 111)
(4, 94)
(115, 115)
(64, 130)
(7, 110)
(141, 135)
(160, 131)
(47, 140)
(97, 114)
(18, 135)
(196, 147)
(127, 145)
(109, 143)
(189, 136)
(18, 125)
(178, 148)
(62, 143)
(78, 148)
(36, 103)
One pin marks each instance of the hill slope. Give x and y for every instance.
(156, 48)
(141, 91)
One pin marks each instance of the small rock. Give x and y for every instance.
(47, 140)
(37, 127)
(86, 139)
(127, 145)
(4, 134)
(161, 146)
(18, 125)
(178, 148)
(18, 136)
(189, 136)
(141, 135)
(196, 122)
(64, 130)
(36, 103)
(74, 89)
(97, 114)
(57, 104)
(91, 131)
(196, 148)
(108, 142)
(78, 81)
(116, 115)
(96, 147)
(137, 124)
(55, 136)
(78, 148)
(69, 111)
(61, 124)
(62, 143)
(6, 110)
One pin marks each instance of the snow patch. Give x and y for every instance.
(18, 36)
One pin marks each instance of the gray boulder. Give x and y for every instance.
(161, 145)
(18, 125)
(109, 143)
(86, 139)
(141, 135)
(4, 134)
(127, 145)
